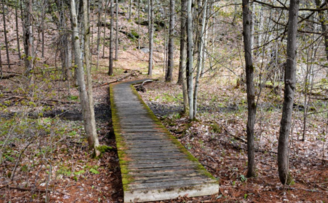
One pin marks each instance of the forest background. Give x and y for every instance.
(221, 67)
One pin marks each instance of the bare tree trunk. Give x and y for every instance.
(17, 30)
(247, 31)
(105, 27)
(182, 63)
(28, 37)
(42, 26)
(100, 5)
(151, 36)
(0, 63)
(290, 82)
(200, 54)
(170, 61)
(130, 9)
(110, 70)
(204, 50)
(84, 97)
(91, 121)
(116, 32)
(5, 32)
(323, 22)
(190, 60)
(139, 24)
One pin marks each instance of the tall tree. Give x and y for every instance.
(182, 62)
(170, 61)
(90, 114)
(28, 36)
(84, 97)
(200, 55)
(130, 9)
(290, 82)
(106, 8)
(116, 32)
(100, 5)
(323, 22)
(110, 70)
(43, 13)
(247, 32)
(17, 29)
(151, 36)
(5, 32)
(189, 66)
(182, 59)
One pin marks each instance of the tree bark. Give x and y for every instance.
(130, 9)
(90, 117)
(190, 60)
(17, 30)
(151, 36)
(5, 32)
(138, 24)
(84, 97)
(170, 61)
(42, 26)
(106, 6)
(290, 82)
(322, 19)
(110, 70)
(247, 32)
(100, 5)
(200, 55)
(28, 37)
(182, 63)
(116, 33)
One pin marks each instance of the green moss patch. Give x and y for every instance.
(123, 159)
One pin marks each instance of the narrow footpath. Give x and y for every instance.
(154, 165)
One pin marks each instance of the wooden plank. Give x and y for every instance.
(156, 167)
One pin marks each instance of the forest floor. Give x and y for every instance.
(46, 156)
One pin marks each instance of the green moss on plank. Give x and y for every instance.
(123, 159)
(200, 167)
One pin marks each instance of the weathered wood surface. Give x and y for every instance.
(154, 165)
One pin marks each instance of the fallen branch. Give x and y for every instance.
(8, 76)
(118, 80)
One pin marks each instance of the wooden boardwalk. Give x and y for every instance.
(154, 165)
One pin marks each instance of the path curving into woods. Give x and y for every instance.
(154, 165)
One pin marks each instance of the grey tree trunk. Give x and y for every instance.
(84, 97)
(28, 37)
(170, 61)
(116, 32)
(200, 55)
(138, 24)
(100, 5)
(323, 22)
(5, 32)
(17, 31)
(290, 82)
(106, 6)
(182, 64)
(151, 36)
(130, 9)
(42, 26)
(110, 70)
(190, 45)
(90, 114)
(247, 31)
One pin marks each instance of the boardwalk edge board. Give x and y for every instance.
(133, 194)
